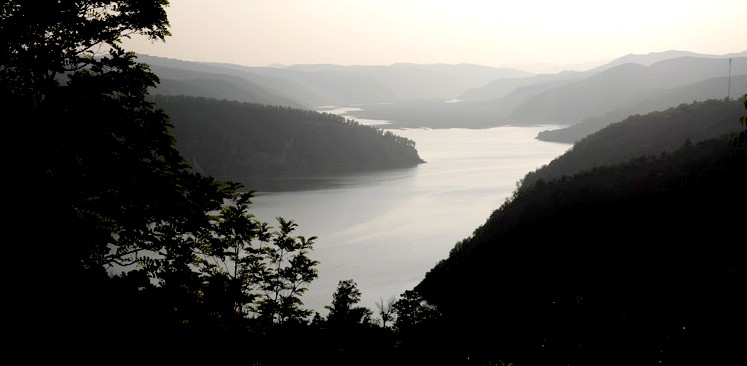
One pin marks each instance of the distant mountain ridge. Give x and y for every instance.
(413, 95)
(312, 86)
(623, 86)
(408, 80)
(654, 57)
(604, 94)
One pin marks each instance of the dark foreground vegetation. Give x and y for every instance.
(118, 251)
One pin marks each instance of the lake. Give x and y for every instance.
(386, 229)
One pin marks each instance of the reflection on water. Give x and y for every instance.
(336, 180)
(386, 229)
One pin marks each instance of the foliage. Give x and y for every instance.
(127, 239)
(266, 271)
(40, 43)
(282, 275)
(80, 125)
(412, 310)
(740, 138)
(343, 311)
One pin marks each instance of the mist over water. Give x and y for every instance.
(386, 229)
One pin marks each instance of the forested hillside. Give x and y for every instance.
(264, 146)
(630, 262)
(648, 134)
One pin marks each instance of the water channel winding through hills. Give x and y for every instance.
(386, 229)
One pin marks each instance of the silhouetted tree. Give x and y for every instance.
(95, 175)
(411, 310)
(40, 44)
(385, 310)
(236, 257)
(282, 274)
(267, 271)
(85, 140)
(343, 311)
(124, 234)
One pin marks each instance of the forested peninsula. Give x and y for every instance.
(267, 147)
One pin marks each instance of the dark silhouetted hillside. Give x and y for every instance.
(634, 262)
(649, 134)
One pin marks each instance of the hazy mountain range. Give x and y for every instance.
(312, 86)
(633, 84)
(414, 95)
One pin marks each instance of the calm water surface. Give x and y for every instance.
(386, 229)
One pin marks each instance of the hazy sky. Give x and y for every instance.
(492, 33)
